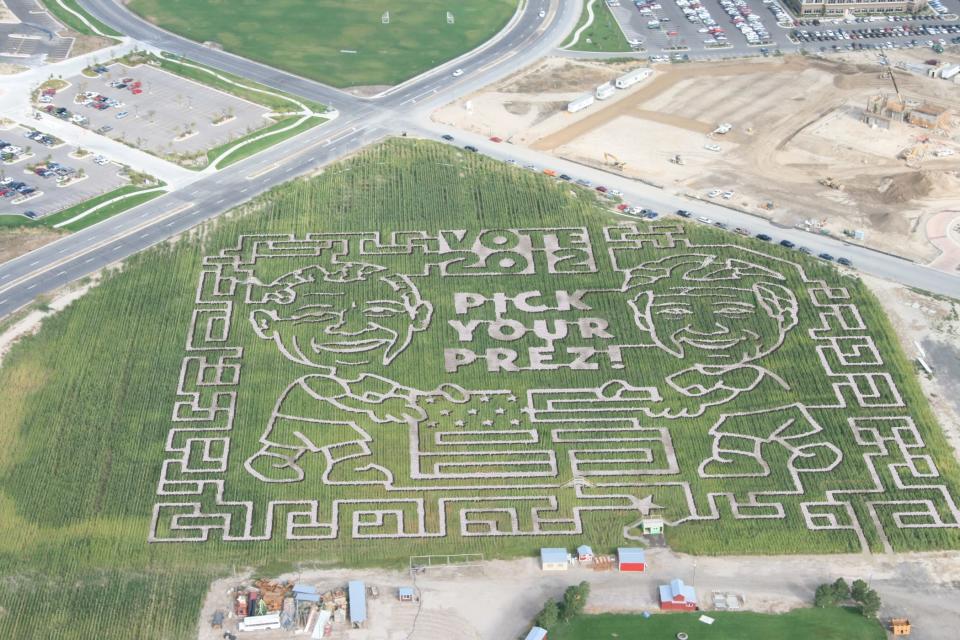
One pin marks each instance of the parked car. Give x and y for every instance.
(683, 213)
(496, 139)
(564, 176)
(826, 256)
(764, 237)
(845, 262)
(447, 137)
(472, 148)
(787, 244)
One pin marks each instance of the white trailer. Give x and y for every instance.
(949, 71)
(632, 77)
(580, 103)
(604, 91)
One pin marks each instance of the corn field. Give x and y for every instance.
(547, 368)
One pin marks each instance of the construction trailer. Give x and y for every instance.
(584, 553)
(580, 103)
(554, 559)
(632, 77)
(604, 91)
(405, 594)
(631, 559)
(357, 601)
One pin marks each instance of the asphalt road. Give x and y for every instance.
(363, 121)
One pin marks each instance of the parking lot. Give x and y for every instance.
(59, 168)
(157, 111)
(701, 29)
(893, 34)
(34, 38)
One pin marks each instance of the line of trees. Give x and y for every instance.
(574, 600)
(840, 593)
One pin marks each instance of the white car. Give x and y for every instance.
(704, 220)
(616, 193)
(458, 73)
(713, 193)
(727, 195)
(100, 160)
(712, 147)
(122, 115)
(542, 13)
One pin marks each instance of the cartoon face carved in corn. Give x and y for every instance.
(340, 319)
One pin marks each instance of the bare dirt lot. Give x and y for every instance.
(795, 122)
(498, 600)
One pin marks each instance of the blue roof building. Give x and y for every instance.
(631, 559)
(554, 559)
(357, 600)
(537, 633)
(584, 552)
(405, 593)
(677, 596)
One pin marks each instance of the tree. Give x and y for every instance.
(870, 604)
(858, 590)
(574, 600)
(824, 597)
(549, 616)
(841, 590)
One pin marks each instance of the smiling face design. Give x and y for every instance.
(719, 325)
(355, 315)
(710, 311)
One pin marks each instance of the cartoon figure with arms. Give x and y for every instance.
(340, 319)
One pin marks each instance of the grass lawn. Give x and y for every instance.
(800, 624)
(604, 34)
(74, 23)
(262, 143)
(340, 43)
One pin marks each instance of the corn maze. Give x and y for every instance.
(570, 371)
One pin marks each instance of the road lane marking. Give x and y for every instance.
(33, 263)
(85, 250)
(266, 169)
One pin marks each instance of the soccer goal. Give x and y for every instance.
(419, 564)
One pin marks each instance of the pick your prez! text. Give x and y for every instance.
(548, 357)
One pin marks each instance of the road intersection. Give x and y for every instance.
(363, 121)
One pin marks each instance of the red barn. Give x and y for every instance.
(677, 596)
(631, 559)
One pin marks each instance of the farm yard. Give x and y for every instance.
(318, 384)
(343, 45)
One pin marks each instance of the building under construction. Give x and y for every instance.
(885, 108)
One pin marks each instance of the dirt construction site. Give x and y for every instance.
(798, 149)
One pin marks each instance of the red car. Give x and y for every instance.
(602, 189)
(495, 139)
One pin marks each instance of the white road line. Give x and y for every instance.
(171, 223)
(4, 300)
(5, 276)
(244, 190)
(31, 287)
(196, 191)
(88, 260)
(219, 201)
(144, 235)
(33, 263)
(60, 273)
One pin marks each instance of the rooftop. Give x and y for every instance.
(553, 554)
(631, 554)
(357, 599)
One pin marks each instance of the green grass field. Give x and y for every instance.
(71, 21)
(604, 34)
(105, 401)
(800, 624)
(271, 139)
(310, 37)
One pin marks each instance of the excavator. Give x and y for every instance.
(614, 161)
